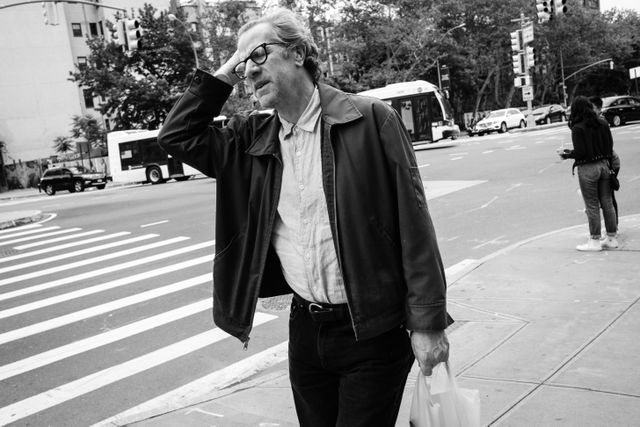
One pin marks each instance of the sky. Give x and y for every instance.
(620, 4)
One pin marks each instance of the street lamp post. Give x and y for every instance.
(173, 17)
(438, 59)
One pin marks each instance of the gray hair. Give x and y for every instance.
(290, 29)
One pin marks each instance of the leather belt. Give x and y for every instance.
(322, 312)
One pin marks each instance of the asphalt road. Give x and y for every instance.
(106, 304)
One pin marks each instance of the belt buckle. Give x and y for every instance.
(314, 307)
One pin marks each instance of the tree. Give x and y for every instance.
(63, 144)
(141, 86)
(90, 129)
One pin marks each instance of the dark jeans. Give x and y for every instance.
(338, 381)
(596, 192)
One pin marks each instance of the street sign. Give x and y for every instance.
(634, 73)
(527, 93)
(527, 33)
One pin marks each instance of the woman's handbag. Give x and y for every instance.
(614, 182)
(439, 402)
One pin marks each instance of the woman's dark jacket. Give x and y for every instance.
(384, 237)
(591, 142)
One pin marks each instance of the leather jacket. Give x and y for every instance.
(382, 230)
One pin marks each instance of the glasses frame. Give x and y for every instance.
(266, 55)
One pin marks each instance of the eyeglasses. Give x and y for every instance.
(258, 55)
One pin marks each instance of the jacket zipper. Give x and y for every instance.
(335, 221)
(245, 342)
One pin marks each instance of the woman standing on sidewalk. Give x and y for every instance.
(592, 151)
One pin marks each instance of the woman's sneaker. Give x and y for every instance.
(593, 245)
(609, 242)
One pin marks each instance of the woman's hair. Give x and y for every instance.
(291, 30)
(582, 111)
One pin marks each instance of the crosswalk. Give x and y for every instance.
(104, 320)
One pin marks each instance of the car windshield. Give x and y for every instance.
(498, 113)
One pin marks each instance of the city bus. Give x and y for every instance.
(135, 156)
(424, 109)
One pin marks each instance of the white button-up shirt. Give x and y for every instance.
(302, 234)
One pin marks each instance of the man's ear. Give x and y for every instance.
(299, 55)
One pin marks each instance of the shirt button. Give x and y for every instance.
(298, 153)
(301, 187)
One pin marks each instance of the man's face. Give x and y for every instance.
(270, 81)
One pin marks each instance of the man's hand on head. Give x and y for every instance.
(225, 72)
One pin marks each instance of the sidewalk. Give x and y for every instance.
(549, 336)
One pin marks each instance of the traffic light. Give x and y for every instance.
(517, 64)
(444, 77)
(516, 41)
(117, 33)
(49, 13)
(530, 55)
(545, 10)
(560, 6)
(133, 34)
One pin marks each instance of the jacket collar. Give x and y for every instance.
(337, 108)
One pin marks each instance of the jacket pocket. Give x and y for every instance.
(418, 187)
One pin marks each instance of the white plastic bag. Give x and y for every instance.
(439, 402)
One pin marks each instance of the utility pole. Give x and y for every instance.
(526, 34)
(564, 87)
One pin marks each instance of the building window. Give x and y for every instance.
(76, 29)
(101, 28)
(93, 29)
(88, 98)
(82, 62)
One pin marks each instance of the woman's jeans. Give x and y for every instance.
(338, 381)
(596, 192)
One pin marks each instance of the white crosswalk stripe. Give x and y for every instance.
(57, 284)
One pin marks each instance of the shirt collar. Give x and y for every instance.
(309, 117)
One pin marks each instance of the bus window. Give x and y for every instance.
(137, 154)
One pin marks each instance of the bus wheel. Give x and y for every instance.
(154, 175)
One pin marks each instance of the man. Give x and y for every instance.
(321, 197)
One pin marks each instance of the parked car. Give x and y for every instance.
(499, 120)
(619, 110)
(549, 114)
(72, 179)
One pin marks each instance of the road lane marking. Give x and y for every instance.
(199, 390)
(25, 233)
(487, 152)
(495, 241)
(53, 233)
(20, 228)
(105, 270)
(56, 240)
(88, 261)
(64, 246)
(77, 347)
(154, 223)
(94, 311)
(13, 311)
(76, 253)
(97, 380)
(435, 189)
